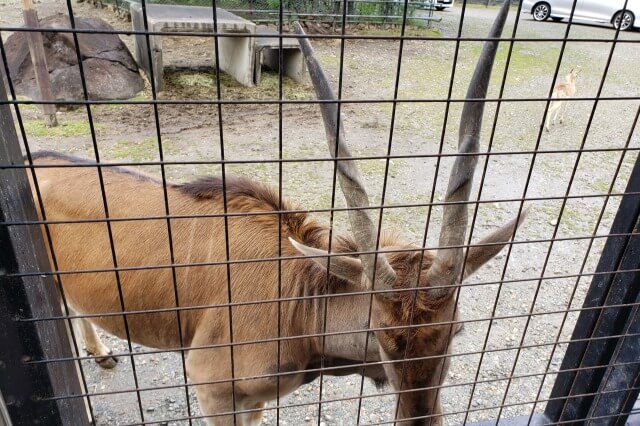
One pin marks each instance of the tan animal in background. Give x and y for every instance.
(561, 92)
(407, 335)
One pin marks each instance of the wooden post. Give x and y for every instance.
(36, 48)
(34, 393)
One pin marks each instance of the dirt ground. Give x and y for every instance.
(506, 375)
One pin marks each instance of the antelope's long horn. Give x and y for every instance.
(363, 228)
(447, 265)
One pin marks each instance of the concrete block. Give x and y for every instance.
(267, 49)
(236, 53)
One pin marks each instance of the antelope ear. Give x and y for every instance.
(345, 267)
(491, 245)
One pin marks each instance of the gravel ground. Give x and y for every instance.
(251, 132)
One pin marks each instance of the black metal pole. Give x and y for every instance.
(574, 396)
(25, 387)
(619, 391)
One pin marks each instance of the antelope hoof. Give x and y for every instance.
(546, 128)
(458, 328)
(107, 362)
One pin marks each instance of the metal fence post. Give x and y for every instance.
(619, 390)
(604, 350)
(27, 387)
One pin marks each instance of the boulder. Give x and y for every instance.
(109, 69)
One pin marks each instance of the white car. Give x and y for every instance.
(442, 4)
(603, 11)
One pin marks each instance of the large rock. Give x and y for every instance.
(109, 69)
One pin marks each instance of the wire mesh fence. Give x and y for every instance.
(238, 271)
(420, 12)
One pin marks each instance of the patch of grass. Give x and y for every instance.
(601, 185)
(305, 151)
(141, 96)
(317, 201)
(143, 150)
(199, 85)
(414, 117)
(135, 151)
(375, 168)
(28, 107)
(207, 170)
(258, 171)
(607, 219)
(196, 79)
(383, 108)
(575, 218)
(69, 129)
(528, 59)
(491, 209)
(555, 165)
(409, 31)
(548, 209)
(629, 159)
(292, 90)
(331, 61)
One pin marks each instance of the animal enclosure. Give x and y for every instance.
(300, 253)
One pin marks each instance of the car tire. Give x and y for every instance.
(556, 19)
(623, 20)
(439, 8)
(541, 11)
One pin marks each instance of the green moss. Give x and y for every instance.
(69, 129)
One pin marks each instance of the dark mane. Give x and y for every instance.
(210, 187)
(244, 194)
(247, 195)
